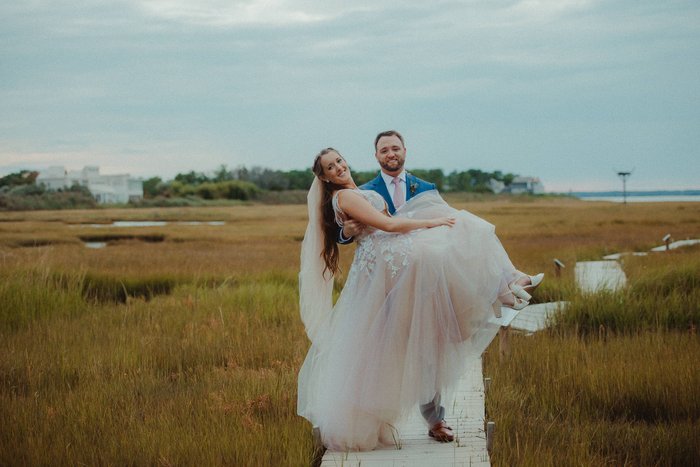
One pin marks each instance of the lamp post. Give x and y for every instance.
(623, 176)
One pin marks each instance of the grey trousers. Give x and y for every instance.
(433, 412)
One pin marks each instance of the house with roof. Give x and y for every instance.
(107, 189)
(531, 185)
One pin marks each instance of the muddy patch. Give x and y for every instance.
(108, 239)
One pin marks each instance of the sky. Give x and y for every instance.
(567, 91)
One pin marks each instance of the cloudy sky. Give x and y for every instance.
(570, 91)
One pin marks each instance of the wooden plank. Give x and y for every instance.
(535, 317)
(465, 414)
(594, 276)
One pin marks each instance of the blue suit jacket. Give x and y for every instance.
(414, 185)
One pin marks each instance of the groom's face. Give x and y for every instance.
(391, 154)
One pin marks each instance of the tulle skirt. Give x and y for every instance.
(415, 309)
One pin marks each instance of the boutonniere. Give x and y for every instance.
(413, 187)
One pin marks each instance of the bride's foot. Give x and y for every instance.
(388, 435)
(520, 287)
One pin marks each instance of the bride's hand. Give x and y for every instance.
(438, 221)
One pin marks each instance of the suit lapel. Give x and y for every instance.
(379, 186)
(410, 179)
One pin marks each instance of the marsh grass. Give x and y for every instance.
(614, 380)
(622, 400)
(201, 376)
(186, 351)
(663, 294)
(32, 295)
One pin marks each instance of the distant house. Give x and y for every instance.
(531, 185)
(496, 186)
(106, 189)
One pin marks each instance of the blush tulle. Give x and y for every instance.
(414, 310)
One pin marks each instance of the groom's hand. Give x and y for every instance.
(352, 228)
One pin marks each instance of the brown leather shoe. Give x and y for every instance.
(441, 432)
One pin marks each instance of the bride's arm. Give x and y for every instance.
(358, 208)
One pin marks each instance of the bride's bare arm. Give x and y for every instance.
(358, 208)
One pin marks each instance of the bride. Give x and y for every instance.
(416, 305)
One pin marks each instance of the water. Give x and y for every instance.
(645, 199)
(98, 245)
(202, 223)
(150, 224)
(136, 224)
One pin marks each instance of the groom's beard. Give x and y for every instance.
(392, 166)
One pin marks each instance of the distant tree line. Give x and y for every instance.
(244, 183)
(20, 190)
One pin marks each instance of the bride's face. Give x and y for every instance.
(335, 169)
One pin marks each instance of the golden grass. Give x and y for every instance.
(202, 376)
(623, 400)
(203, 371)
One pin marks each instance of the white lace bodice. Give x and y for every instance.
(373, 244)
(374, 198)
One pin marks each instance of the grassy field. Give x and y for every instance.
(180, 344)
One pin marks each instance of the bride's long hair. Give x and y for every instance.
(330, 252)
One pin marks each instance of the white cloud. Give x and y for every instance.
(232, 13)
(548, 9)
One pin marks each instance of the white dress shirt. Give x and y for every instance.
(389, 181)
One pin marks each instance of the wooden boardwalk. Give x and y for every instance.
(595, 276)
(677, 244)
(534, 318)
(670, 246)
(465, 414)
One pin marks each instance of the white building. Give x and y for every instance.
(531, 185)
(496, 186)
(106, 189)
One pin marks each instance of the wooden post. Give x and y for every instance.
(667, 240)
(558, 265)
(490, 428)
(487, 384)
(503, 342)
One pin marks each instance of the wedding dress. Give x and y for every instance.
(415, 308)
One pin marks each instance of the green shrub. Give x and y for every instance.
(29, 197)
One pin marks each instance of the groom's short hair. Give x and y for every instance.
(388, 133)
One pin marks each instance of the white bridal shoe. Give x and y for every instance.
(518, 304)
(520, 291)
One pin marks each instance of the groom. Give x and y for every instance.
(393, 182)
(396, 187)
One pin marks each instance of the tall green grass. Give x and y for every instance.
(663, 294)
(614, 381)
(202, 376)
(626, 400)
(27, 296)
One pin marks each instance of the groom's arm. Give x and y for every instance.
(342, 239)
(348, 231)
